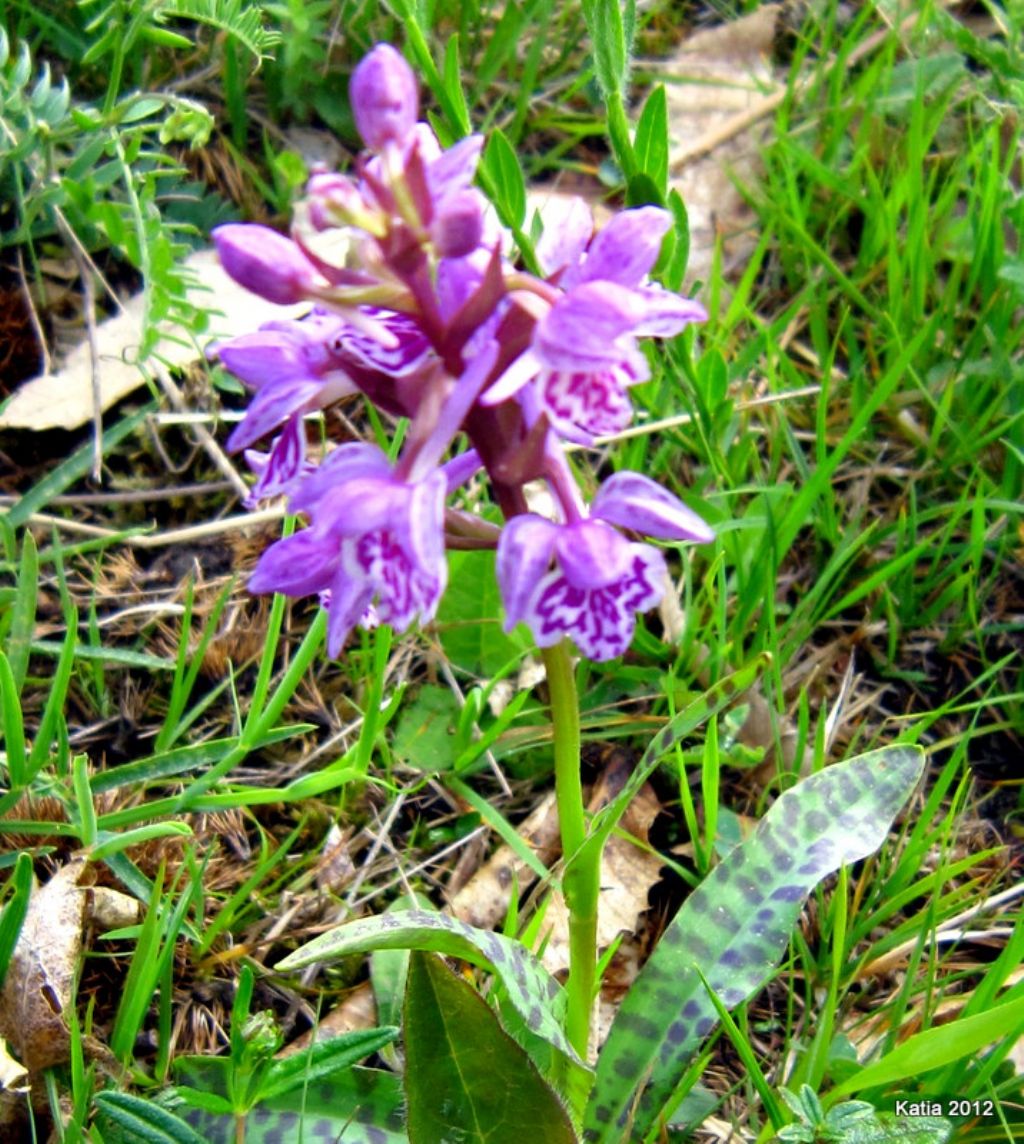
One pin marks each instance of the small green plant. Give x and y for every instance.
(856, 1122)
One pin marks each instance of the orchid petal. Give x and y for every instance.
(406, 351)
(384, 97)
(263, 358)
(282, 467)
(351, 461)
(524, 554)
(349, 599)
(581, 329)
(265, 262)
(627, 248)
(568, 225)
(298, 565)
(425, 517)
(634, 501)
(666, 314)
(521, 371)
(270, 407)
(591, 554)
(454, 169)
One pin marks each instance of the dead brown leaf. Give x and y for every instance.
(64, 399)
(721, 89)
(38, 989)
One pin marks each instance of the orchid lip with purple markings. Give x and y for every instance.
(600, 580)
(583, 357)
(371, 537)
(305, 364)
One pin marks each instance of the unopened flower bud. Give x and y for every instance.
(458, 224)
(384, 98)
(265, 262)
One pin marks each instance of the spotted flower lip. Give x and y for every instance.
(302, 365)
(371, 537)
(592, 595)
(600, 579)
(583, 357)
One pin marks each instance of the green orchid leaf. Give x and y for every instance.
(455, 1046)
(322, 1059)
(734, 929)
(537, 997)
(356, 1105)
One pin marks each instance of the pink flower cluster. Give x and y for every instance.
(415, 305)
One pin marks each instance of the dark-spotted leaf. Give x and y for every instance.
(734, 928)
(356, 1105)
(465, 1078)
(537, 997)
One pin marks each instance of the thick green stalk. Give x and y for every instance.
(581, 890)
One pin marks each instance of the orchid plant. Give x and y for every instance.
(419, 302)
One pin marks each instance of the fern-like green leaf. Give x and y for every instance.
(235, 17)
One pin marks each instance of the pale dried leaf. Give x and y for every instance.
(483, 901)
(38, 989)
(13, 1075)
(65, 399)
(109, 909)
(335, 868)
(721, 89)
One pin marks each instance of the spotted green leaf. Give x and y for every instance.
(455, 1049)
(357, 1106)
(734, 928)
(534, 993)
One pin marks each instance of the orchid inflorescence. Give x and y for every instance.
(416, 306)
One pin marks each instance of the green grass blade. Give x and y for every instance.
(936, 1047)
(23, 613)
(13, 728)
(13, 916)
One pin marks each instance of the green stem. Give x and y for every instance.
(582, 885)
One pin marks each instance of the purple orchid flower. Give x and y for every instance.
(371, 536)
(584, 356)
(296, 367)
(600, 580)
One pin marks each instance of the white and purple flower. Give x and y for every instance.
(599, 580)
(297, 367)
(584, 356)
(372, 538)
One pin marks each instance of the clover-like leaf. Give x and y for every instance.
(734, 928)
